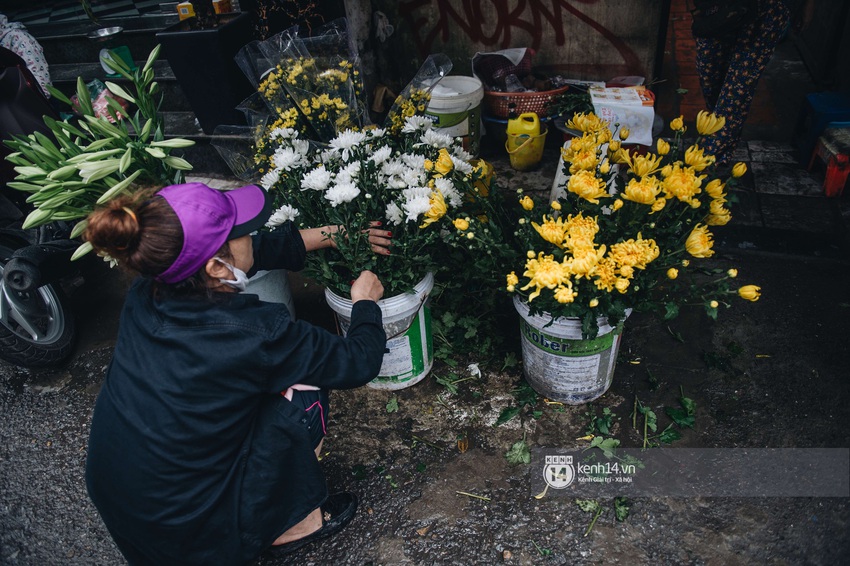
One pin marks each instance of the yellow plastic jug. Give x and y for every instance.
(525, 124)
(525, 141)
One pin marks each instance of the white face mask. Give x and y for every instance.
(241, 281)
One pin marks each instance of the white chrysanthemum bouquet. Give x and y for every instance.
(420, 184)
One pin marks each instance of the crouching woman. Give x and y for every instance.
(204, 436)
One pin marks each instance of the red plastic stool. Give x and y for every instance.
(833, 148)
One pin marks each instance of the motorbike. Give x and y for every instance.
(37, 327)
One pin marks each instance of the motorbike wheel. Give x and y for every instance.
(36, 328)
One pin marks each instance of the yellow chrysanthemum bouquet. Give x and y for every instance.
(627, 229)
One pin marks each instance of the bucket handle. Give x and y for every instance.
(525, 143)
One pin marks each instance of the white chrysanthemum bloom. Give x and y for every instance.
(345, 142)
(413, 177)
(436, 139)
(342, 193)
(317, 180)
(462, 166)
(381, 155)
(270, 179)
(416, 207)
(396, 182)
(281, 215)
(301, 146)
(375, 133)
(413, 193)
(393, 167)
(461, 153)
(349, 173)
(413, 160)
(394, 214)
(285, 133)
(287, 158)
(450, 193)
(416, 123)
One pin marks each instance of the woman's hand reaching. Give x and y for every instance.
(380, 240)
(367, 287)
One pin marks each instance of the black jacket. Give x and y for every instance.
(194, 456)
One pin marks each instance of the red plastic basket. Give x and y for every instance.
(497, 103)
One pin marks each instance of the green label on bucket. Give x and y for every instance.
(410, 354)
(565, 346)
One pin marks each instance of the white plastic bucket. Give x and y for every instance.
(407, 322)
(455, 107)
(561, 366)
(272, 287)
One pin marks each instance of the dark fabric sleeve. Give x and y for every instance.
(309, 355)
(281, 248)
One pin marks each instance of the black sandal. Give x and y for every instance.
(337, 512)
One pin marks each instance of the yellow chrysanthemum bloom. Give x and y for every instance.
(583, 262)
(715, 188)
(662, 147)
(530, 254)
(716, 207)
(553, 231)
(543, 273)
(564, 294)
(589, 122)
(438, 208)
(526, 203)
(709, 123)
(658, 205)
(618, 204)
(677, 124)
(605, 167)
(699, 242)
(672, 273)
(614, 146)
(588, 186)
(619, 156)
(460, 224)
(643, 165)
(444, 164)
(696, 158)
(627, 271)
(584, 161)
(580, 231)
(593, 303)
(624, 133)
(644, 191)
(635, 253)
(719, 219)
(733, 273)
(682, 183)
(739, 169)
(606, 274)
(622, 285)
(750, 292)
(485, 174)
(512, 279)
(555, 205)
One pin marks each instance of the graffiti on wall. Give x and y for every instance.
(495, 23)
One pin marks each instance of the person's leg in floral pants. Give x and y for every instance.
(729, 69)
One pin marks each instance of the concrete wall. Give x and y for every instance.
(583, 39)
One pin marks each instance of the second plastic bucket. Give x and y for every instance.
(407, 322)
(526, 151)
(559, 364)
(455, 107)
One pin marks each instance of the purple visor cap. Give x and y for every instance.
(209, 218)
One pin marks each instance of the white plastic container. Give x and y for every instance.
(455, 107)
(407, 322)
(272, 287)
(561, 366)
